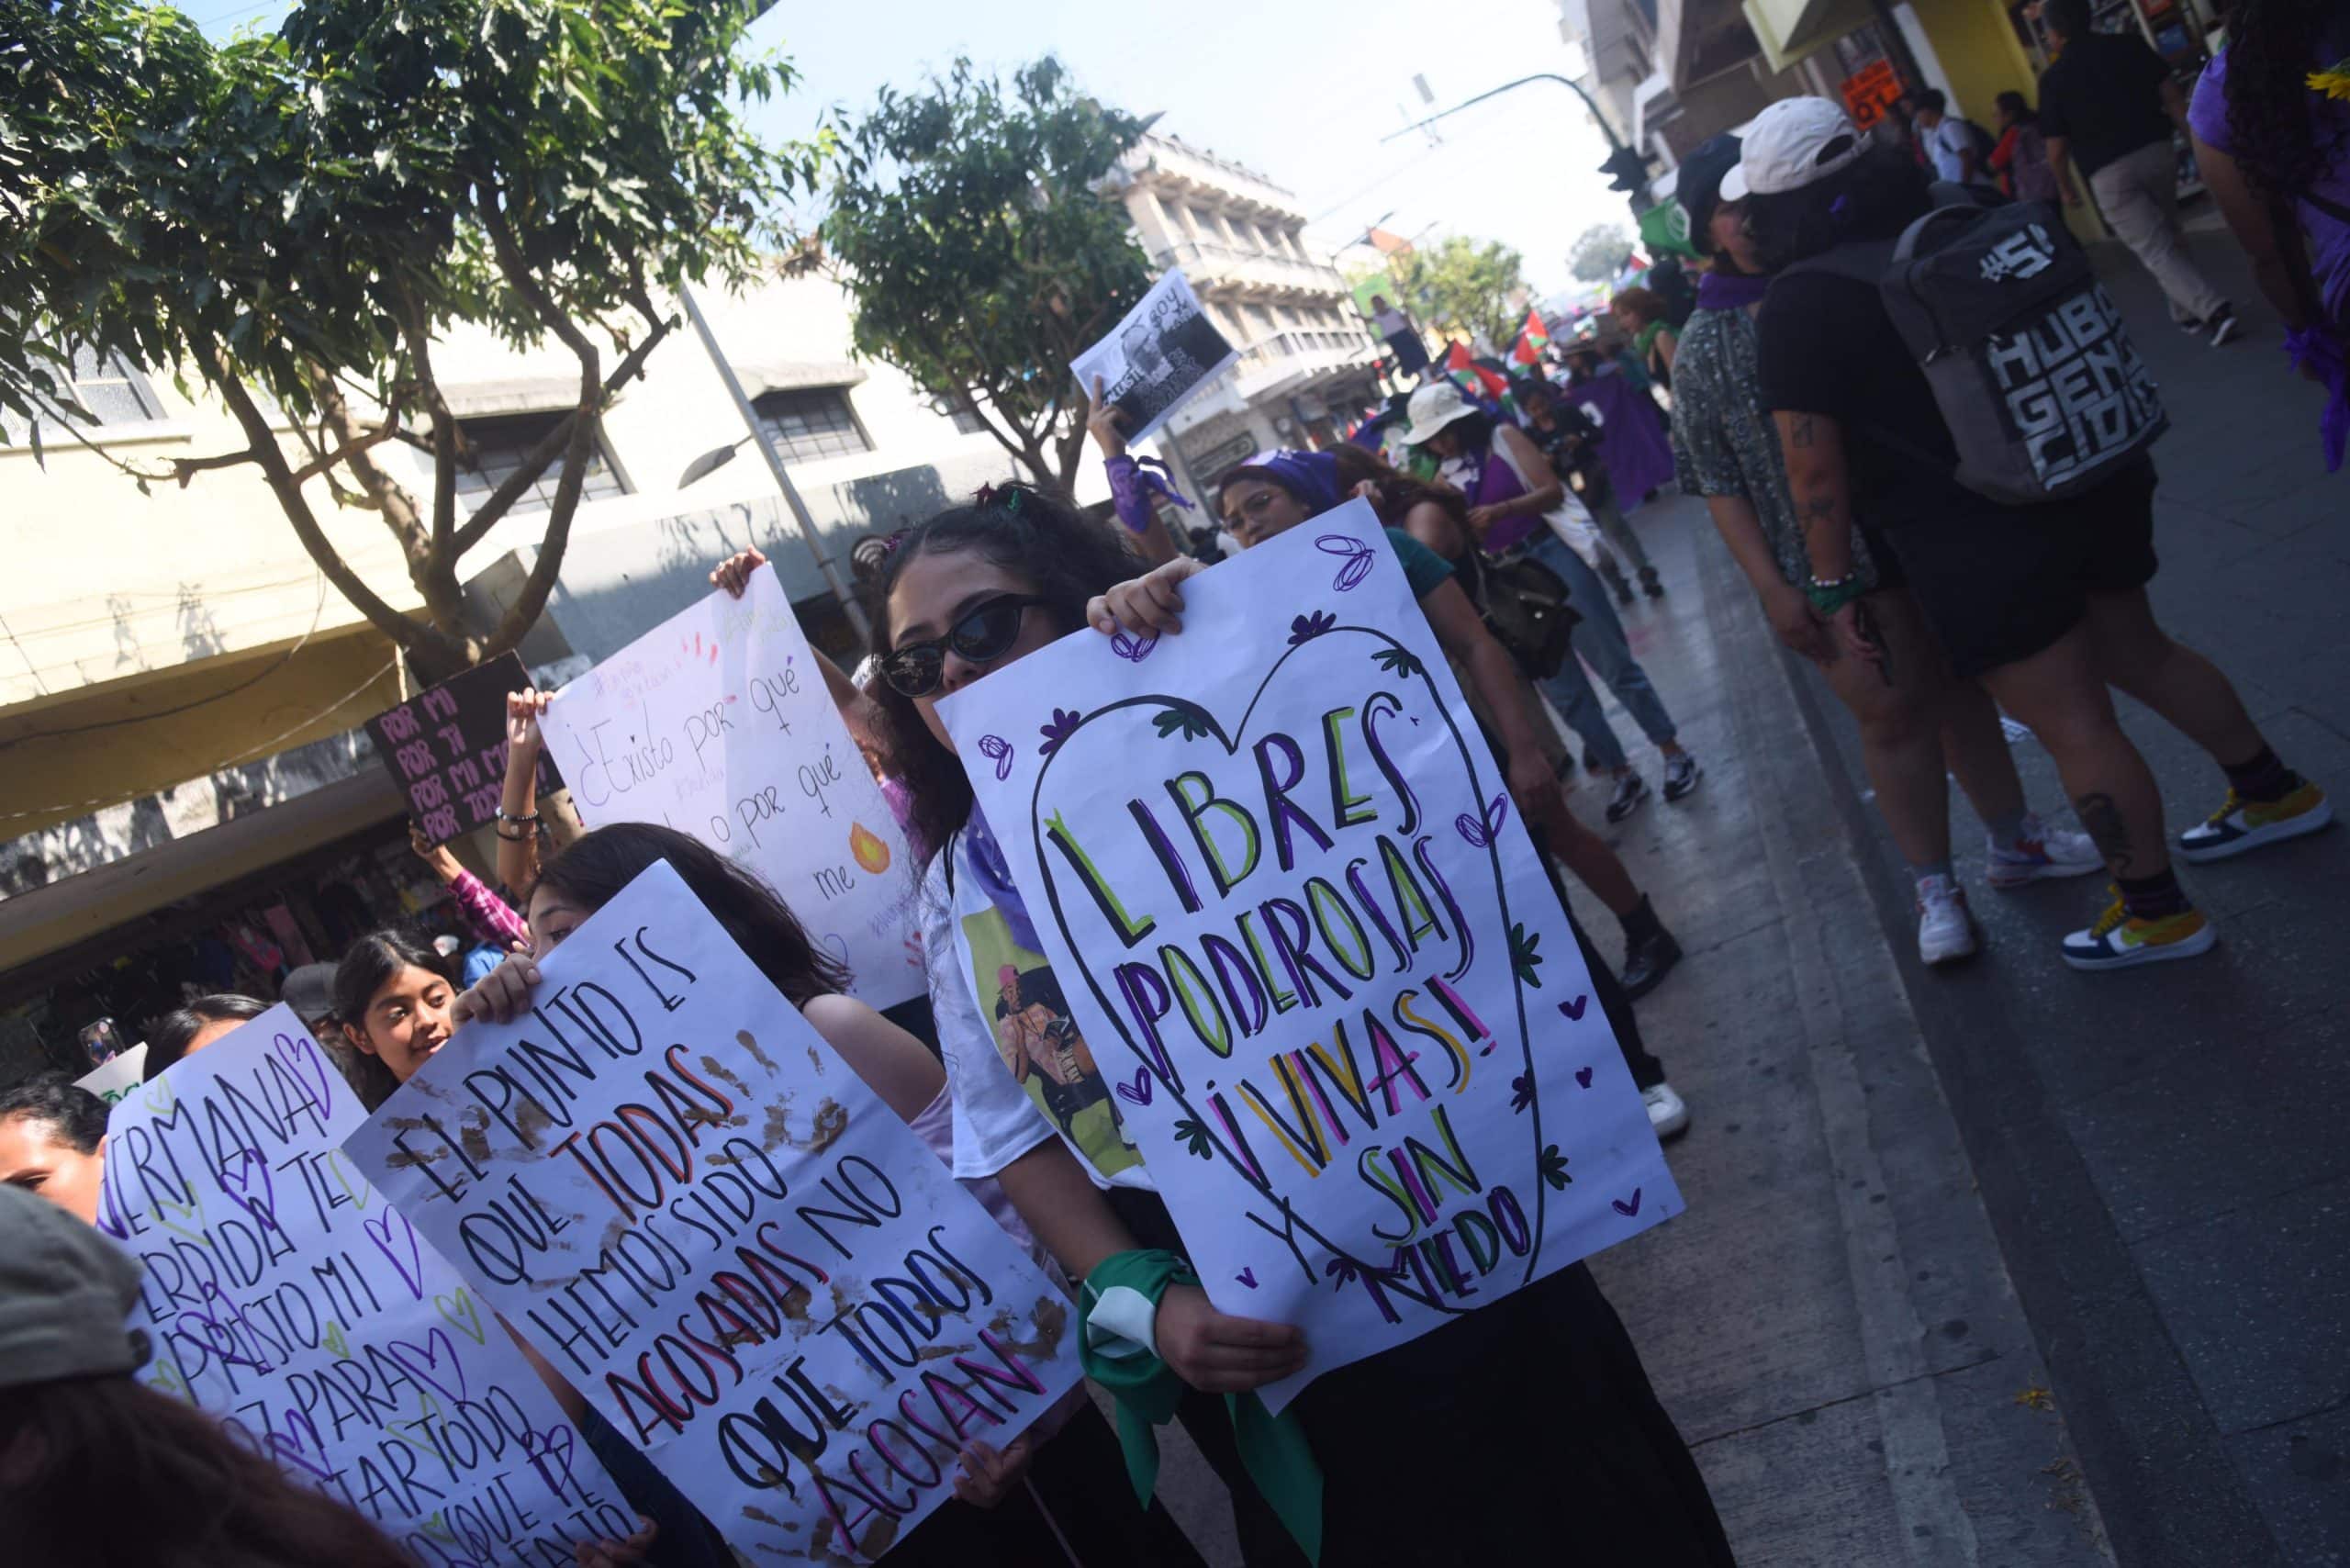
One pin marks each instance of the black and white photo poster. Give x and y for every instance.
(1166, 349)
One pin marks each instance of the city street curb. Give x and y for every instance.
(2167, 1492)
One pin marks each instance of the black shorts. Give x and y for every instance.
(2003, 583)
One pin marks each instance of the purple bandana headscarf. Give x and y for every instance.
(1311, 476)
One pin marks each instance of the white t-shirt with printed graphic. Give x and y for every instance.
(1000, 1012)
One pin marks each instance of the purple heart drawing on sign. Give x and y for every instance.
(1247, 1277)
(998, 748)
(425, 1361)
(1582, 1076)
(1138, 1091)
(1131, 649)
(289, 1445)
(1482, 833)
(382, 1231)
(1354, 552)
(300, 1054)
(245, 1169)
(551, 1452)
(1573, 1010)
(1628, 1210)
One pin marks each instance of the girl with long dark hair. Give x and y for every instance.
(2044, 605)
(1545, 1410)
(1077, 1491)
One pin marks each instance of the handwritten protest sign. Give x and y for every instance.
(118, 1076)
(447, 748)
(717, 723)
(286, 1297)
(1270, 857)
(1166, 349)
(698, 1212)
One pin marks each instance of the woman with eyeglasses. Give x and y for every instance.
(1544, 1409)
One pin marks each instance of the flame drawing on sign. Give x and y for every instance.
(871, 852)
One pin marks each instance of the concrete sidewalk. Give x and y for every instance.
(1830, 1323)
(2163, 1152)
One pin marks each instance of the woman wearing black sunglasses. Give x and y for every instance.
(1544, 1410)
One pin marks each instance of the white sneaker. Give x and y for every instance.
(1945, 931)
(2041, 851)
(1668, 1112)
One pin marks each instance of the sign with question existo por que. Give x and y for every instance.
(287, 1297)
(697, 1213)
(1283, 886)
(718, 723)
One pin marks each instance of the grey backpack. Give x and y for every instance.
(2033, 372)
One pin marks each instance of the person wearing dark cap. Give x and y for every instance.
(79, 1438)
(1725, 449)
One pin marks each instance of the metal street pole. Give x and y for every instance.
(849, 607)
(1639, 198)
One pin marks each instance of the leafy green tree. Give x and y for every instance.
(1599, 252)
(295, 217)
(981, 231)
(1462, 288)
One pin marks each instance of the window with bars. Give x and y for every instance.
(496, 446)
(810, 422)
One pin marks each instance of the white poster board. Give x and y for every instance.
(717, 723)
(117, 1076)
(286, 1297)
(672, 1186)
(1285, 892)
(1154, 360)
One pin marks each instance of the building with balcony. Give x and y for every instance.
(185, 797)
(1308, 362)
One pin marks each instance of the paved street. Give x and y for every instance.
(2008, 1266)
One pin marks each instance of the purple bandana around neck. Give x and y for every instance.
(1730, 291)
(984, 858)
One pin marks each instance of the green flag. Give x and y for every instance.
(1666, 228)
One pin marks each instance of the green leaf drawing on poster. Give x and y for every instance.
(1398, 661)
(1522, 954)
(1554, 1167)
(1194, 1135)
(1180, 716)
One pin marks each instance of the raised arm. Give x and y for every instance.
(518, 801)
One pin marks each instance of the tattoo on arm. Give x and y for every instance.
(2102, 820)
(1799, 431)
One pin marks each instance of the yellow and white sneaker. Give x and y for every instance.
(2240, 824)
(2120, 941)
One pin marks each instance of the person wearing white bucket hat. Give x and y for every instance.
(1512, 493)
(2044, 604)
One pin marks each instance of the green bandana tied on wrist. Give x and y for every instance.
(1117, 1310)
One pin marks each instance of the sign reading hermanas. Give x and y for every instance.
(697, 1213)
(283, 1294)
(718, 723)
(447, 748)
(1285, 896)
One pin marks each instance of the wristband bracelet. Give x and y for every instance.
(518, 818)
(1830, 598)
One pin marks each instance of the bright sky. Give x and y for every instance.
(1299, 93)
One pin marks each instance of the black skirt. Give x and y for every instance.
(1524, 1433)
